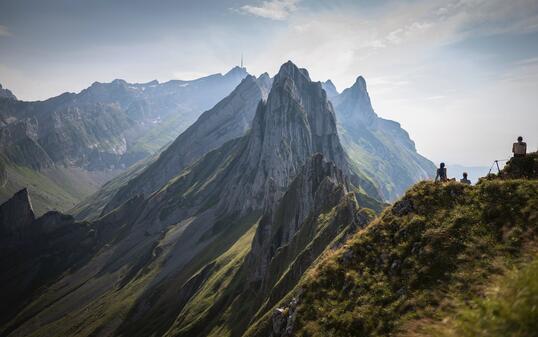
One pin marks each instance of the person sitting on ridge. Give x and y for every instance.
(519, 149)
(441, 173)
(464, 180)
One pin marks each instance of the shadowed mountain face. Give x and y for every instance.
(89, 137)
(379, 148)
(195, 230)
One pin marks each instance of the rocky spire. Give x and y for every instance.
(320, 185)
(16, 213)
(354, 104)
(330, 89)
(295, 122)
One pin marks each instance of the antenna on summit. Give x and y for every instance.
(241, 60)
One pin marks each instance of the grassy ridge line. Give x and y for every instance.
(440, 242)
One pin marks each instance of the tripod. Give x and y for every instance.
(496, 163)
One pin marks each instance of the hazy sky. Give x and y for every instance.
(460, 75)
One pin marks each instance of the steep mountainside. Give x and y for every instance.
(189, 239)
(229, 119)
(409, 272)
(380, 148)
(330, 89)
(93, 135)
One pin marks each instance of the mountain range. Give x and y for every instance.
(64, 148)
(212, 234)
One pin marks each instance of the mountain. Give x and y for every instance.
(35, 250)
(173, 261)
(69, 145)
(445, 260)
(379, 148)
(330, 89)
(228, 119)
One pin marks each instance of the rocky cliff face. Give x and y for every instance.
(380, 148)
(229, 119)
(319, 185)
(296, 121)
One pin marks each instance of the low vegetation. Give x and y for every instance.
(436, 247)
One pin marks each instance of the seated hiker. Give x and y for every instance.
(519, 149)
(464, 180)
(441, 173)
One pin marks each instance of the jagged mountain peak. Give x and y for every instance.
(290, 70)
(265, 75)
(355, 105)
(360, 83)
(295, 122)
(16, 213)
(329, 88)
(237, 71)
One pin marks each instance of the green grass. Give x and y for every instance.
(405, 266)
(44, 192)
(509, 309)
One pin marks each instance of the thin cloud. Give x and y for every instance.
(272, 9)
(4, 31)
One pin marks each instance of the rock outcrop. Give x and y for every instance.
(16, 214)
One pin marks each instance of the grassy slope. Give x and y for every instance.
(411, 265)
(57, 188)
(375, 167)
(509, 308)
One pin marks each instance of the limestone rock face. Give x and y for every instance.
(294, 123)
(16, 214)
(379, 148)
(229, 119)
(319, 185)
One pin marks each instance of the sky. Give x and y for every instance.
(461, 76)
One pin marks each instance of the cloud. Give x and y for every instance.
(4, 31)
(272, 9)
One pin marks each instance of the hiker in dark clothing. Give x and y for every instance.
(519, 149)
(464, 180)
(441, 173)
